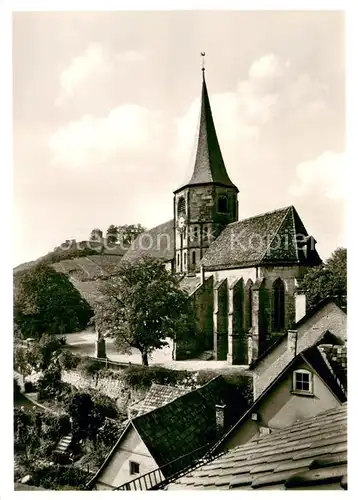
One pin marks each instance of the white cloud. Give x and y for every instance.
(273, 89)
(97, 62)
(128, 131)
(326, 173)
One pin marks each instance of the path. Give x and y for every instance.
(83, 344)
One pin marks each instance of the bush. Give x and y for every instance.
(17, 389)
(54, 477)
(105, 405)
(89, 366)
(143, 376)
(29, 387)
(69, 361)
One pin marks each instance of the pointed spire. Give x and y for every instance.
(209, 166)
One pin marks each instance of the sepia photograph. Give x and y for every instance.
(179, 256)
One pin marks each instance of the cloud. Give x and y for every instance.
(274, 89)
(96, 65)
(326, 174)
(128, 132)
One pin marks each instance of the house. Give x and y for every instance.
(325, 324)
(158, 395)
(308, 454)
(241, 274)
(166, 439)
(307, 386)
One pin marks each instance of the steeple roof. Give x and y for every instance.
(209, 166)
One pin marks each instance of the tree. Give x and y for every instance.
(327, 280)
(143, 305)
(96, 235)
(112, 234)
(46, 301)
(128, 233)
(85, 417)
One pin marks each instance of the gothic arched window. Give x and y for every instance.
(278, 289)
(223, 204)
(181, 205)
(248, 304)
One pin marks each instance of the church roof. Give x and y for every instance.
(157, 243)
(266, 239)
(209, 166)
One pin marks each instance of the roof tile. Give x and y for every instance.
(274, 478)
(253, 241)
(315, 477)
(316, 463)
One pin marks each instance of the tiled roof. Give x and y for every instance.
(336, 356)
(309, 454)
(190, 283)
(183, 425)
(265, 239)
(209, 165)
(313, 356)
(157, 243)
(305, 318)
(158, 395)
(188, 422)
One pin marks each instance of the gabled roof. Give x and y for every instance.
(188, 422)
(159, 395)
(267, 239)
(299, 323)
(209, 166)
(309, 454)
(157, 243)
(185, 424)
(313, 357)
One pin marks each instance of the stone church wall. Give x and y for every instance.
(203, 304)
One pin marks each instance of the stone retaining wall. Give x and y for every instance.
(116, 389)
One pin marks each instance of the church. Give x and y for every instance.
(241, 274)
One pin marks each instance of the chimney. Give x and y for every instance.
(202, 275)
(220, 418)
(292, 342)
(300, 306)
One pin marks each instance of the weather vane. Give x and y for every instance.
(203, 61)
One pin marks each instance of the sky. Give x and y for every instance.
(106, 108)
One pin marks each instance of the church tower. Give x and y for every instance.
(208, 202)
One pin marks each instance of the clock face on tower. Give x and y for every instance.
(181, 223)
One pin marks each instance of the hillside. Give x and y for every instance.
(86, 268)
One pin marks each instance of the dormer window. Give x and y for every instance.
(302, 382)
(223, 204)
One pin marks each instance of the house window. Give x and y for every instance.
(181, 206)
(178, 260)
(223, 204)
(185, 259)
(193, 258)
(302, 381)
(278, 306)
(133, 468)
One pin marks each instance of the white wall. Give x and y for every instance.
(281, 408)
(130, 449)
